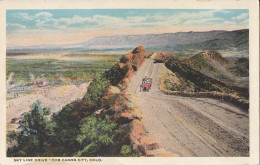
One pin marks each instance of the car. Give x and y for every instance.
(146, 84)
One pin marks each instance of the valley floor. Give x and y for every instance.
(187, 126)
(54, 97)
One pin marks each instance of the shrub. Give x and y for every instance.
(96, 135)
(126, 150)
(36, 133)
(96, 88)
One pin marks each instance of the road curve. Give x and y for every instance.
(188, 126)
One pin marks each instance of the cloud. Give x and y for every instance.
(43, 15)
(136, 19)
(45, 20)
(241, 16)
(244, 23)
(100, 21)
(203, 21)
(222, 11)
(27, 17)
(190, 16)
(201, 14)
(42, 19)
(76, 20)
(23, 16)
(14, 26)
(229, 23)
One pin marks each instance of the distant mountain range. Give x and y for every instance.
(219, 38)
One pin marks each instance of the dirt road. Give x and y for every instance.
(187, 126)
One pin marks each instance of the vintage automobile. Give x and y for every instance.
(146, 84)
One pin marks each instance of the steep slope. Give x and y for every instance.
(213, 64)
(204, 60)
(207, 75)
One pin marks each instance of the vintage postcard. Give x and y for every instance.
(119, 83)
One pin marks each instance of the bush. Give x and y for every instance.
(96, 88)
(126, 150)
(67, 121)
(96, 135)
(36, 133)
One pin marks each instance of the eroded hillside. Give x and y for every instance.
(206, 74)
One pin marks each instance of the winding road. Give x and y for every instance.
(189, 126)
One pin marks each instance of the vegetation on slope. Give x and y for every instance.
(240, 67)
(201, 60)
(173, 82)
(192, 70)
(92, 126)
(233, 71)
(58, 136)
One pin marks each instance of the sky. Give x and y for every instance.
(35, 27)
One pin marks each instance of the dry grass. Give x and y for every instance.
(167, 79)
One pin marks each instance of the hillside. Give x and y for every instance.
(207, 71)
(205, 59)
(237, 39)
(179, 38)
(213, 64)
(217, 39)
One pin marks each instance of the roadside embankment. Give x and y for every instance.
(116, 103)
(203, 86)
(236, 100)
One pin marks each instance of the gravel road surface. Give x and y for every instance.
(189, 126)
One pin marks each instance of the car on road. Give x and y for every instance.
(146, 84)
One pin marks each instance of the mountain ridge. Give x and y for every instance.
(147, 40)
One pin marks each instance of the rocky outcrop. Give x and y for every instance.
(115, 102)
(125, 69)
(144, 143)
